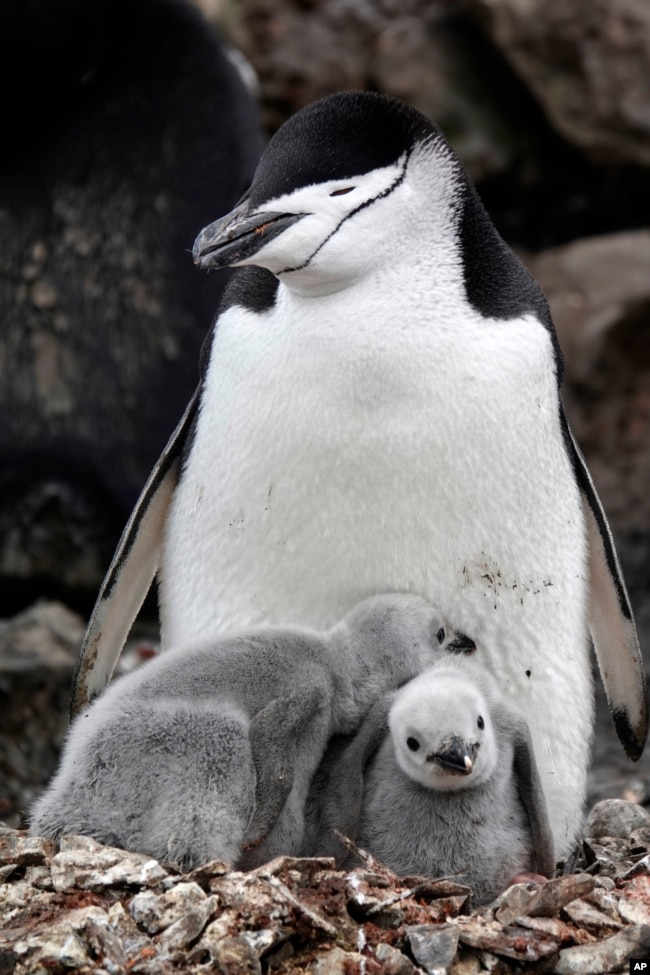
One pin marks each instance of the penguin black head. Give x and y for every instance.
(340, 137)
(358, 182)
(307, 216)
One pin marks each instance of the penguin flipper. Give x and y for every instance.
(611, 622)
(274, 734)
(130, 573)
(531, 793)
(339, 784)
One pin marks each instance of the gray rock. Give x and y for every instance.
(98, 933)
(187, 928)
(605, 956)
(215, 932)
(591, 919)
(39, 877)
(235, 956)
(599, 294)
(16, 896)
(127, 930)
(155, 912)
(467, 964)
(587, 64)
(394, 962)
(615, 817)
(85, 864)
(426, 52)
(76, 939)
(62, 947)
(633, 910)
(433, 945)
(7, 870)
(103, 314)
(25, 851)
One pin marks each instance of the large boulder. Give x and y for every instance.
(426, 52)
(599, 293)
(588, 64)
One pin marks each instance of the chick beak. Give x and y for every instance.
(456, 755)
(461, 644)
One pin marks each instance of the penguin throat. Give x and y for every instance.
(311, 282)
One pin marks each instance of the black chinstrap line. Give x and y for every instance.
(362, 206)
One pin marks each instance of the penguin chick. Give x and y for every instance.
(440, 736)
(205, 750)
(453, 788)
(460, 770)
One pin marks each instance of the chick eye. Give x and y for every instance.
(440, 635)
(413, 744)
(343, 191)
(480, 722)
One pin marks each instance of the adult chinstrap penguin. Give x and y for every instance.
(203, 752)
(380, 410)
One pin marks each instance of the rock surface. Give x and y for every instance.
(599, 293)
(427, 52)
(587, 63)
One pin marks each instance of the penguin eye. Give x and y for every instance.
(440, 635)
(342, 192)
(413, 744)
(480, 722)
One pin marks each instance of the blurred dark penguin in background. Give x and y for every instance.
(126, 127)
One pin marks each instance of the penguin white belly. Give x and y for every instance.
(336, 457)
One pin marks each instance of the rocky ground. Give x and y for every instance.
(83, 907)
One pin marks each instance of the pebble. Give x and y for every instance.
(433, 945)
(605, 956)
(615, 817)
(394, 962)
(155, 912)
(85, 864)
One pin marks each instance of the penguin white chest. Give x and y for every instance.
(339, 454)
(344, 452)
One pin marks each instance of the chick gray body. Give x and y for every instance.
(481, 835)
(453, 789)
(202, 751)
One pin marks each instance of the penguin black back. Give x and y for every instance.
(134, 129)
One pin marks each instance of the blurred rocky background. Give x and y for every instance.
(141, 131)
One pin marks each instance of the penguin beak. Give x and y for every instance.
(456, 755)
(239, 235)
(462, 644)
